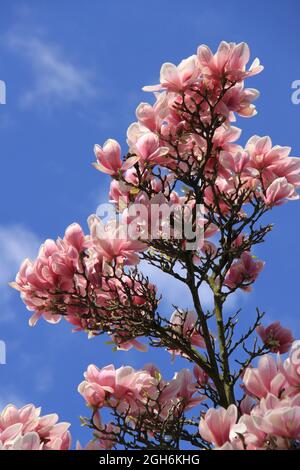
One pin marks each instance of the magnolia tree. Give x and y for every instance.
(190, 201)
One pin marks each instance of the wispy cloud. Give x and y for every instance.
(173, 291)
(44, 380)
(176, 293)
(10, 397)
(56, 80)
(16, 243)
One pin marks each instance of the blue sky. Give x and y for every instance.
(74, 72)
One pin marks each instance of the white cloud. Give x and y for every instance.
(176, 293)
(7, 398)
(173, 291)
(56, 80)
(16, 243)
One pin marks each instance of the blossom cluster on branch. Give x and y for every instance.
(25, 429)
(269, 414)
(188, 200)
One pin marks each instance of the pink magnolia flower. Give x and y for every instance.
(113, 243)
(274, 421)
(254, 438)
(109, 158)
(279, 191)
(123, 387)
(275, 337)
(54, 269)
(151, 117)
(133, 343)
(25, 429)
(185, 324)
(186, 389)
(237, 163)
(272, 163)
(221, 185)
(291, 370)
(31, 441)
(216, 425)
(28, 416)
(201, 376)
(75, 237)
(104, 437)
(145, 217)
(230, 61)
(238, 100)
(8, 435)
(264, 379)
(288, 167)
(134, 132)
(133, 388)
(180, 393)
(262, 153)
(97, 384)
(149, 150)
(176, 78)
(243, 272)
(119, 193)
(282, 421)
(224, 137)
(247, 404)
(146, 116)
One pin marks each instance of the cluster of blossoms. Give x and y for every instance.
(75, 279)
(269, 415)
(25, 429)
(167, 135)
(187, 325)
(142, 397)
(182, 154)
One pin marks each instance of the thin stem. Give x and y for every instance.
(215, 374)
